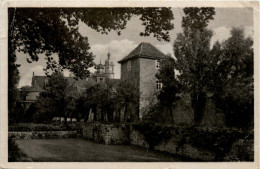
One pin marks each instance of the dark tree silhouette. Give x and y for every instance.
(171, 86)
(192, 52)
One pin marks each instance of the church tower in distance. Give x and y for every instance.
(105, 71)
(109, 67)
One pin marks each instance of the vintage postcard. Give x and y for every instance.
(150, 84)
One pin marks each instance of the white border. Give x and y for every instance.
(121, 165)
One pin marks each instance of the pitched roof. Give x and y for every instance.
(79, 82)
(40, 80)
(144, 50)
(35, 88)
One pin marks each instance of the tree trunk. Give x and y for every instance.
(198, 107)
(126, 113)
(172, 115)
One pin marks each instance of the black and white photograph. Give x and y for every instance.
(131, 84)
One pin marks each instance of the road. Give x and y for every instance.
(80, 150)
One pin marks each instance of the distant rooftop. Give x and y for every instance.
(38, 82)
(144, 50)
(35, 87)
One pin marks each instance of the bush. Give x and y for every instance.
(215, 140)
(42, 127)
(153, 133)
(14, 153)
(218, 141)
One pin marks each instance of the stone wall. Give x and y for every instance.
(172, 146)
(183, 112)
(211, 117)
(115, 134)
(137, 139)
(42, 134)
(107, 134)
(123, 134)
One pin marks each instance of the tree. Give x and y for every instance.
(238, 55)
(72, 95)
(82, 108)
(52, 102)
(101, 98)
(171, 87)
(108, 101)
(237, 83)
(106, 98)
(24, 92)
(192, 52)
(55, 30)
(127, 96)
(13, 92)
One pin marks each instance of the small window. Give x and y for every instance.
(158, 85)
(129, 65)
(157, 64)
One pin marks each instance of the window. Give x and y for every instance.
(129, 65)
(157, 64)
(158, 84)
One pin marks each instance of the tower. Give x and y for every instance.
(139, 67)
(100, 68)
(100, 76)
(109, 67)
(105, 71)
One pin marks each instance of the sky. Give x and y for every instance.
(121, 46)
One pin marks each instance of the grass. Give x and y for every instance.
(79, 150)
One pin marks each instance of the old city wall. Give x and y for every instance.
(177, 144)
(116, 134)
(108, 134)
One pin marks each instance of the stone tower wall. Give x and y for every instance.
(134, 74)
(147, 84)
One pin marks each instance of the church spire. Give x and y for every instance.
(108, 55)
(109, 67)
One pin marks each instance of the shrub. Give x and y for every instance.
(14, 153)
(153, 133)
(218, 141)
(42, 127)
